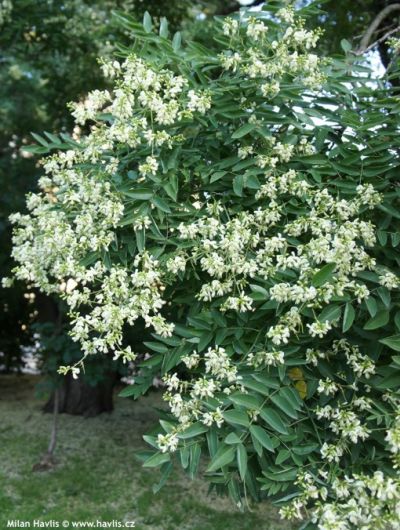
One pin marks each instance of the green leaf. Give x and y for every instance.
(391, 381)
(165, 474)
(237, 417)
(305, 449)
(128, 391)
(378, 321)
(261, 436)
(52, 137)
(397, 320)
(282, 403)
(348, 317)
(204, 340)
(161, 204)
(286, 475)
(192, 431)
(163, 28)
(393, 342)
(243, 130)
(258, 292)
(177, 41)
(257, 446)
(140, 194)
(194, 461)
(382, 237)
(389, 209)
(345, 45)
(167, 426)
(246, 400)
(252, 182)
(171, 187)
(232, 438)
(217, 175)
(184, 455)
(35, 149)
(151, 440)
(372, 306)
(140, 239)
(40, 139)
(241, 455)
(223, 457)
(273, 419)
(384, 295)
(147, 23)
(270, 382)
(157, 459)
(238, 185)
(330, 313)
(283, 455)
(395, 239)
(323, 275)
(156, 346)
(255, 385)
(292, 396)
(212, 441)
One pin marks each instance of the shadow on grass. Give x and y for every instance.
(97, 476)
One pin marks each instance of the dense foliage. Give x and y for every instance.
(241, 200)
(48, 57)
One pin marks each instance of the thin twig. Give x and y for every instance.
(53, 437)
(375, 25)
(47, 461)
(381, 39)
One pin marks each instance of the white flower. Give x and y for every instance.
(331, 453)
(191, 361)
(389, 280)
(150, 167)
(204, 388)
(319, 329)
(167, 442)
(279, 334)
(230, 26)
(327, 387)
(176, 264)
(255, 29)
(200, 101)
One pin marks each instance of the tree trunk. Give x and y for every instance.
(76, 396)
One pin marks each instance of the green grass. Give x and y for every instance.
(97, 476)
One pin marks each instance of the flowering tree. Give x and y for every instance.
(241, 201)
(48, 57)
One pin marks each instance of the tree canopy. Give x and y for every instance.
(240, 198)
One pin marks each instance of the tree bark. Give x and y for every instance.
(77, 397)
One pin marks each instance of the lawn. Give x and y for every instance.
(97, 476)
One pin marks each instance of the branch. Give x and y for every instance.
(375, 25)
(381, 39)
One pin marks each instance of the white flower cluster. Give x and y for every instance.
(370, 502)
(255, 244)
(188, 399)
(361, 501)
(266, 358)
(271, 60)
(79, 210)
